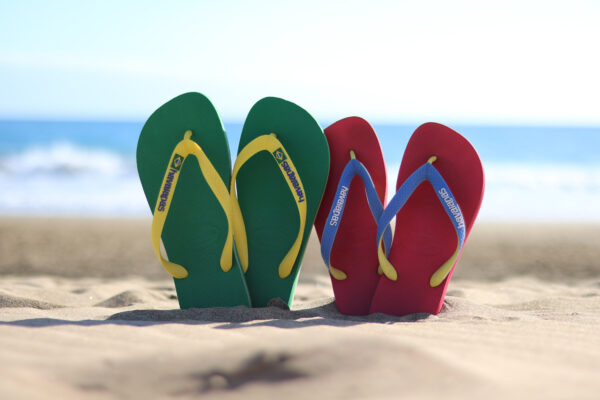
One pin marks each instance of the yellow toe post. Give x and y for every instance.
(432, 159)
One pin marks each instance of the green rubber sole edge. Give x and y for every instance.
(196, 227)
(268, 207)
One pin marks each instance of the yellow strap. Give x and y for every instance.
(442, 272)
(270, 144)
(338, 274)
(165, 195)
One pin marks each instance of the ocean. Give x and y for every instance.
(67, 168)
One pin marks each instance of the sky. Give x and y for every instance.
(507, 62)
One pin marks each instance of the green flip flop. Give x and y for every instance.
(280, 173)
(190, 201)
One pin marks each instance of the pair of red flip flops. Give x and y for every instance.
(370, 271)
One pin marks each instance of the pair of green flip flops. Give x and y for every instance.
(232, 237)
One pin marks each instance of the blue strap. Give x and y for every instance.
(353, 168)
(430, 173)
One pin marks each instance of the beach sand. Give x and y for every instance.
(86, 312)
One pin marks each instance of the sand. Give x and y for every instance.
(86, 312)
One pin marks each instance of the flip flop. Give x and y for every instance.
(280, 172)
(347, 220)
(433, 220)
(190, 201)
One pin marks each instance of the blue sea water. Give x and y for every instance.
(533, 173)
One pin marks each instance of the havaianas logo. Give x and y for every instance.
(166, 189)
(279, 155)
(281, 158)
(177, 162)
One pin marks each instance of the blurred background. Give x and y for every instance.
(519, 79)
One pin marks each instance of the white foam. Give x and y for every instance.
(542, 192)
(76, 195)
(65, 179)
(64, 158)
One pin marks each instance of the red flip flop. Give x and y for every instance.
(433, 220)
(346, 223)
